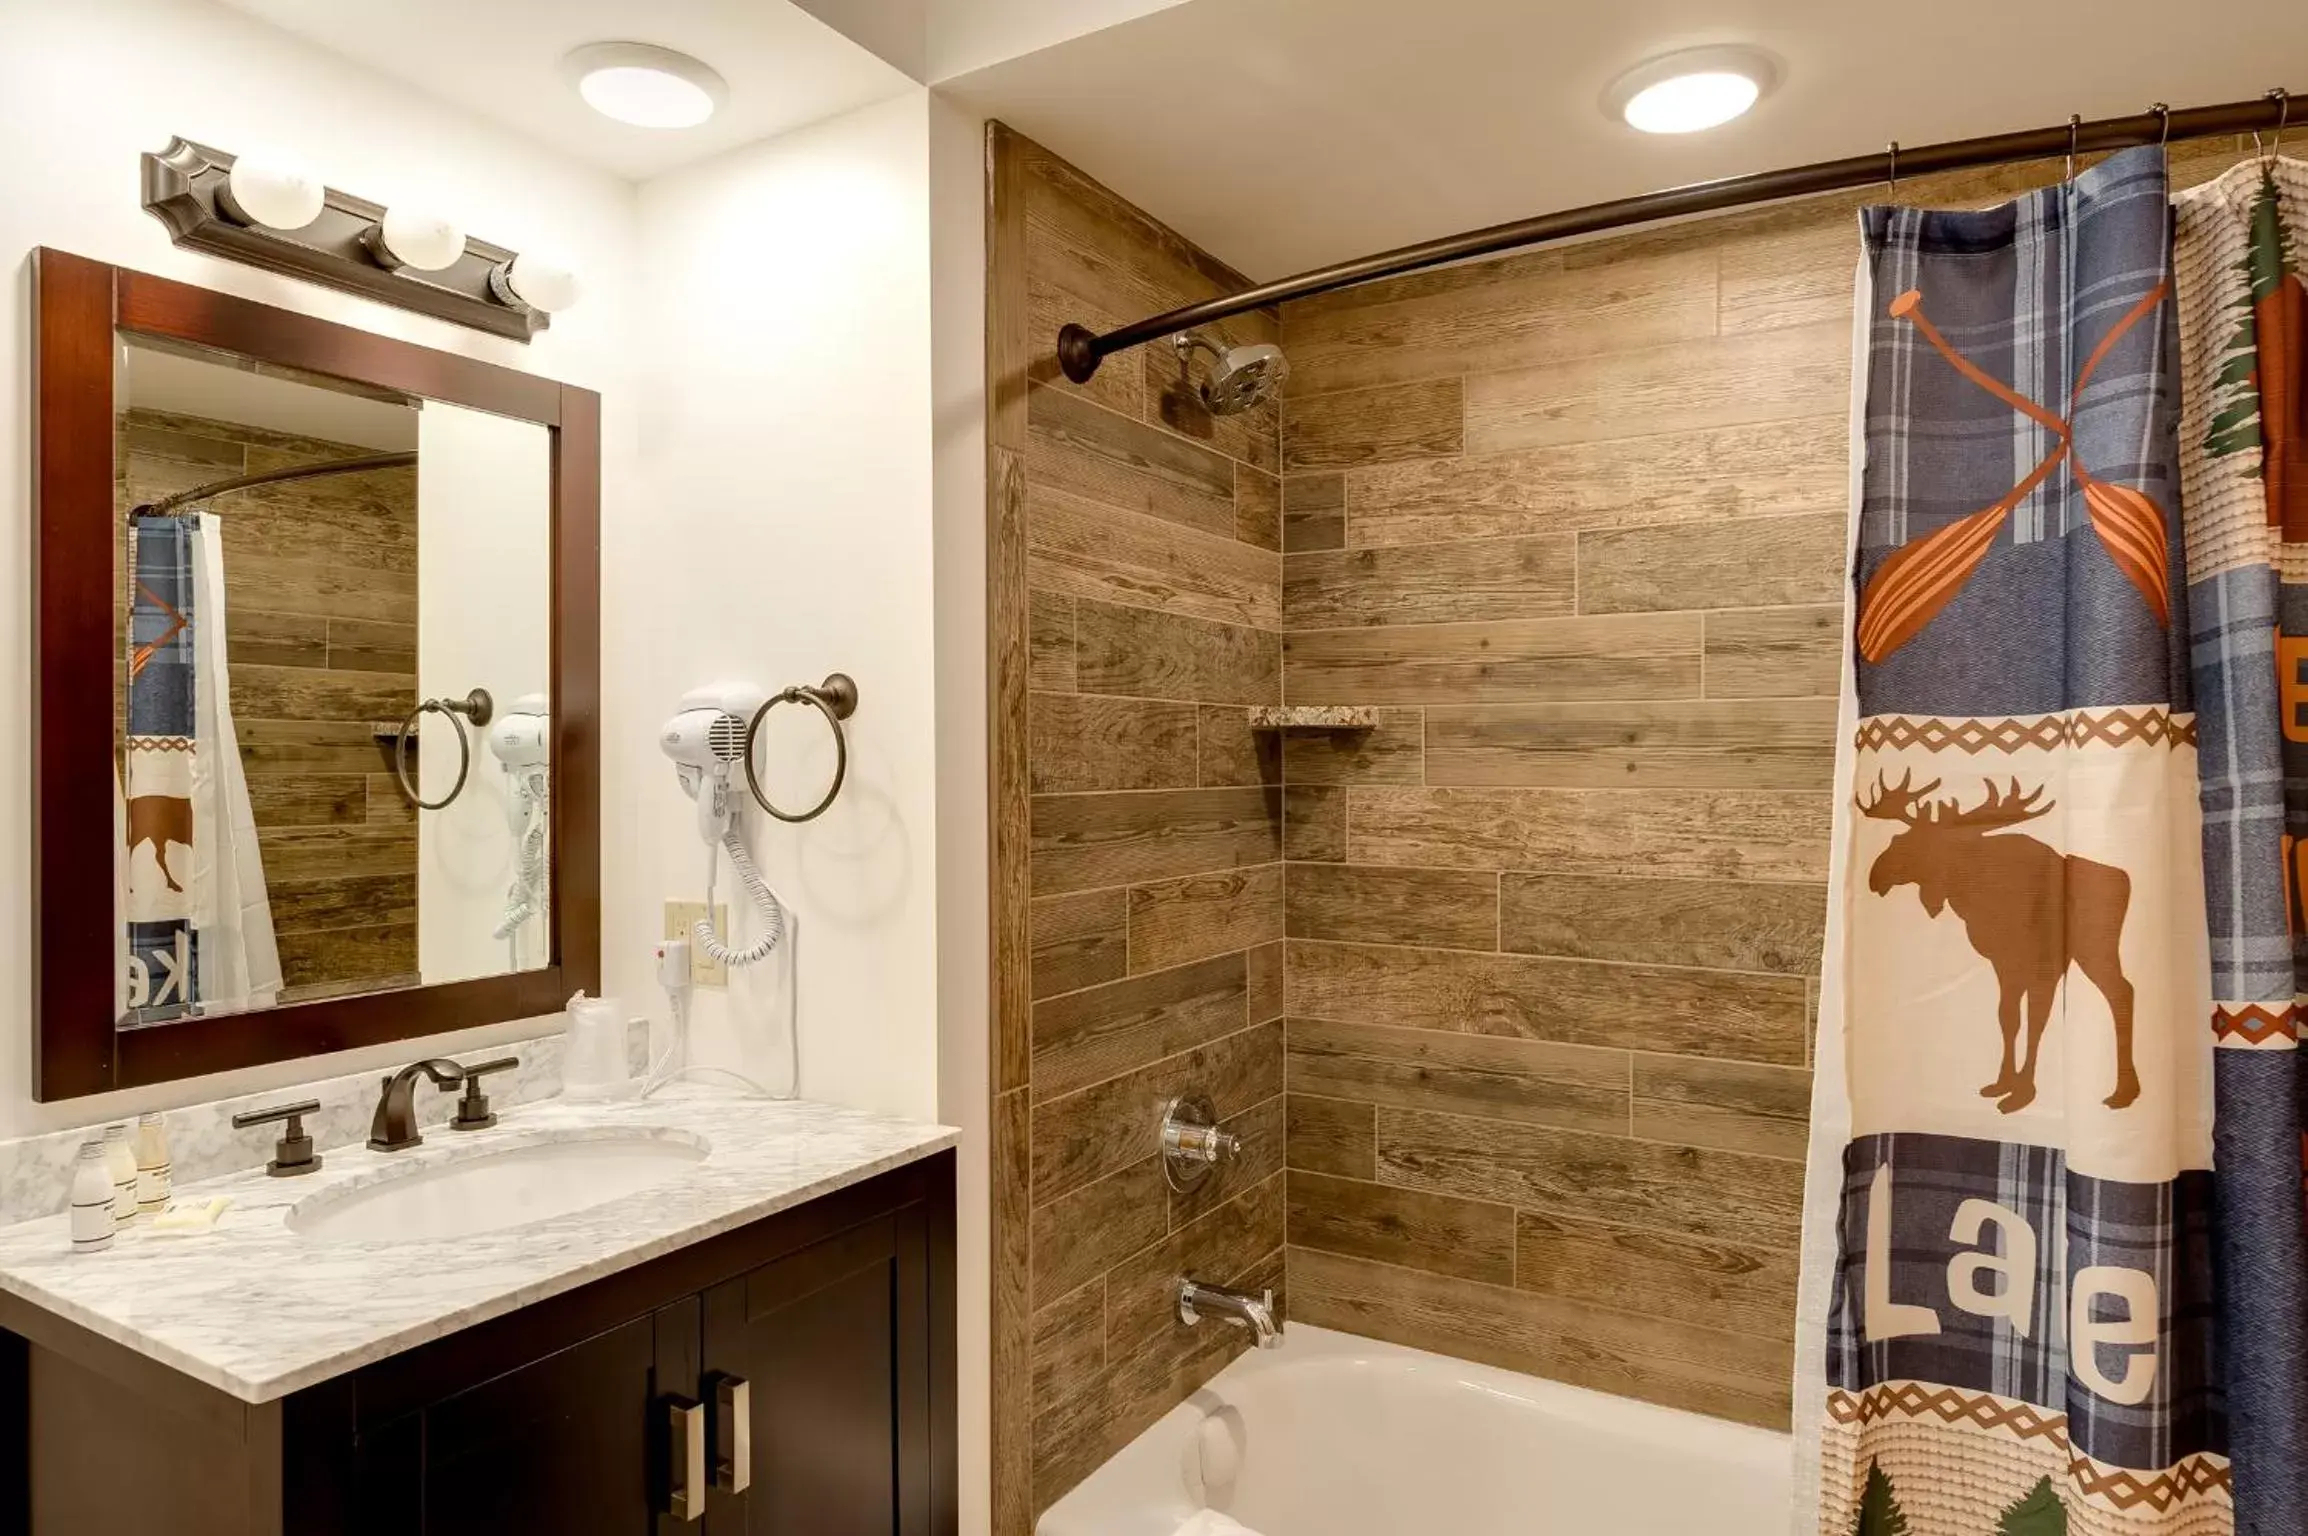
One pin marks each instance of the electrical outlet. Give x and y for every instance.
(680, 918)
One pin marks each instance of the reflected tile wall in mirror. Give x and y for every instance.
(275, 637)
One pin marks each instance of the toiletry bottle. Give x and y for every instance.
(120, 1159)
(91, 1200)
(155, 1176)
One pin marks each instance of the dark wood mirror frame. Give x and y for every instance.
(80, 309)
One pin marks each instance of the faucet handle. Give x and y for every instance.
(473, 1112)
(1192, 1143)
(293, 1154)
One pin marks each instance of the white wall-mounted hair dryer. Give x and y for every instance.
(706, 740)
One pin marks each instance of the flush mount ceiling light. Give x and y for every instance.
(1691, 90)
(647, 86)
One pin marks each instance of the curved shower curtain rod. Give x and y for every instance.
(1080, 350)
(167, 505)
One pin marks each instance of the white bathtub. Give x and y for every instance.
(1333, 1435)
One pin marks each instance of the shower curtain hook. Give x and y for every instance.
(2075, 126)
(1891, 182)
(2283, 100)
(2163, 111)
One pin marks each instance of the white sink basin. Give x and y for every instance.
(490, 1191)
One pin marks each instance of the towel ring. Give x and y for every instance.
(836, 699)
(477, 707)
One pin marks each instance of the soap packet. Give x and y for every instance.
(189, 1218)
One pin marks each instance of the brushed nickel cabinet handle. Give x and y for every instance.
(685, 1458)
(732, 1434)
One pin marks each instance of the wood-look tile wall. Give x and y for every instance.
(1572, 522)
(1136, 608)
(1575, 520)
(321, 582)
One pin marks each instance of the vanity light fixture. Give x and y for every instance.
(645, 85)
(1692, 89)
(414, 238)
(271, 191)
(268, 212)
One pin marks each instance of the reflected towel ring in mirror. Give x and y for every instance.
(477, 707)
(836, 699)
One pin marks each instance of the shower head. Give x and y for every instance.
(1240, 377)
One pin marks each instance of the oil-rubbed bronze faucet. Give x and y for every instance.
(395, 1127)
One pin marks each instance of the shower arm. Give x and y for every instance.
(1081, 350)
(1187, 341)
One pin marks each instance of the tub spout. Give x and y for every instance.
(1240, 1308)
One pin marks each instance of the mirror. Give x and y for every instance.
(316, 761)
(308, 563)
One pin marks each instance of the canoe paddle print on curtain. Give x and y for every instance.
(2009, 1320)
(2242, 244)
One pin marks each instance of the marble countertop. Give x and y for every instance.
(258, 1311)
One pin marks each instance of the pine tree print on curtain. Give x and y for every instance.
(2241, 242)
(2011, 1302)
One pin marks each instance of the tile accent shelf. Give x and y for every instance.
(1312, 717)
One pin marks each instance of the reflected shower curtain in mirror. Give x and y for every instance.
(2008, 1315)
(199, 933)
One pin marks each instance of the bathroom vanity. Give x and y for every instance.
(754, 1334)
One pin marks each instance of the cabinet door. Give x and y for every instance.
(833, 1345)
(562, 1444)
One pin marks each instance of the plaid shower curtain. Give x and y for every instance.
(2242, 243)
(2009, 1319)
(161, 771)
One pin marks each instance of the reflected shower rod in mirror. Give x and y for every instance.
(1081, 350)
(168, 506)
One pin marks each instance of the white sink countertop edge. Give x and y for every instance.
(258, 1312)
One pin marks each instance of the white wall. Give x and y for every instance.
(784, 403)
(86, 88)
(958, 362)
(484, 620)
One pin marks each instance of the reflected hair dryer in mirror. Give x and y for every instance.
(521, 739)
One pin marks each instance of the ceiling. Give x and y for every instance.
(789, 63)
(1287, 134)
(501, 59)
(935, 39)
(189, 386)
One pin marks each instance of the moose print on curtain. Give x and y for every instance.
(2012, 1317)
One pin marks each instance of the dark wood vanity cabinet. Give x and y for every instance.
(806, 1361)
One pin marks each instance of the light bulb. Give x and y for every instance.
(274, 191)
(536, 282)
(422, 241)
(644, 85)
